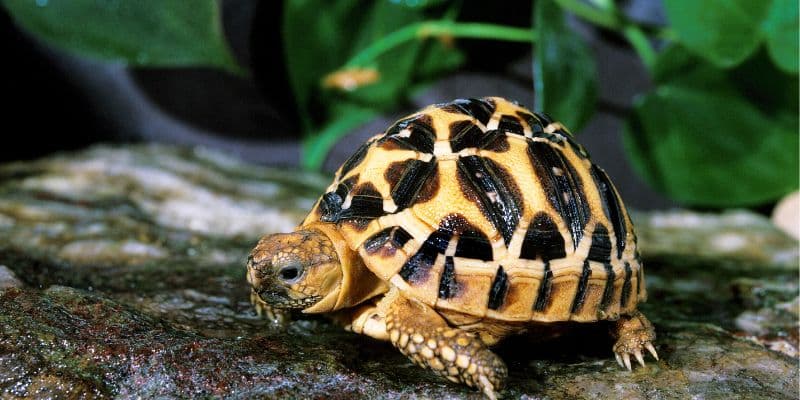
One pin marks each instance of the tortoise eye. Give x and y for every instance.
(290, 272)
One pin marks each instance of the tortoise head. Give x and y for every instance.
(295, 270)
(312, 269)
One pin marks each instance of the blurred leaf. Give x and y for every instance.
(757, 79)
(316, 44)
(769, 88)
(143, 33)
(677, 66)
(724, 32)
(711, 147)
(565, 79)
(781, 33)
(420, 3)
(321, 43)
(439, 55)
(436, 57)
(673, 61)
(347, 117)
(396, 66)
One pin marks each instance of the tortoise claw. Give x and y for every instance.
(639, 359)
(627, 358)
(257, 304)
(488, 388)
(651, 349)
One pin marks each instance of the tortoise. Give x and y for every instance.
(459, 225)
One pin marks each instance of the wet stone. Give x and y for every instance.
(8, 279)
(738, 239)
(122, 276)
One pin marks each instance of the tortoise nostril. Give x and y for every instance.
(290, 272)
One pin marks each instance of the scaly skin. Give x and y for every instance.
(634, 333)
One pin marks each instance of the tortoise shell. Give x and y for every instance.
(483, 207)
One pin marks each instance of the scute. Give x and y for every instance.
(483, 207)
(488, 185)
(412, 181)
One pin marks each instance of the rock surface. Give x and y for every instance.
(130, 284)
(8, 279)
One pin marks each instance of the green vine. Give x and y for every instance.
(315, 148)
(441, 28)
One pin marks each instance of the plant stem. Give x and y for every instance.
(422, 30)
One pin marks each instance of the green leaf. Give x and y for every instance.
(564, 73)
(711, 147)
(781, 33)
(766, 86)
(436, 58)
(671, 62)
(724, 32)
(143, 33)
(315, 44)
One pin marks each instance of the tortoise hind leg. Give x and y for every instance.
(424, 336)
(634, 333)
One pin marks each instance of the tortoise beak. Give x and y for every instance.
(272, 297)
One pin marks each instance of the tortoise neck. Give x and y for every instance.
(358, 284)
(347, 257)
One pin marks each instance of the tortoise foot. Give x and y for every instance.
(634, 334)
(424, 337)
(456, 355)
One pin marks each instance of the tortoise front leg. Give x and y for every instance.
(424, 336)
(634, 333)
(277, 316)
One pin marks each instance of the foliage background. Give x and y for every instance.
(718, 129)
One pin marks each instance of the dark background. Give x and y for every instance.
(57, 101)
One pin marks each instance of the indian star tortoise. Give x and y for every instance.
(462, 224)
